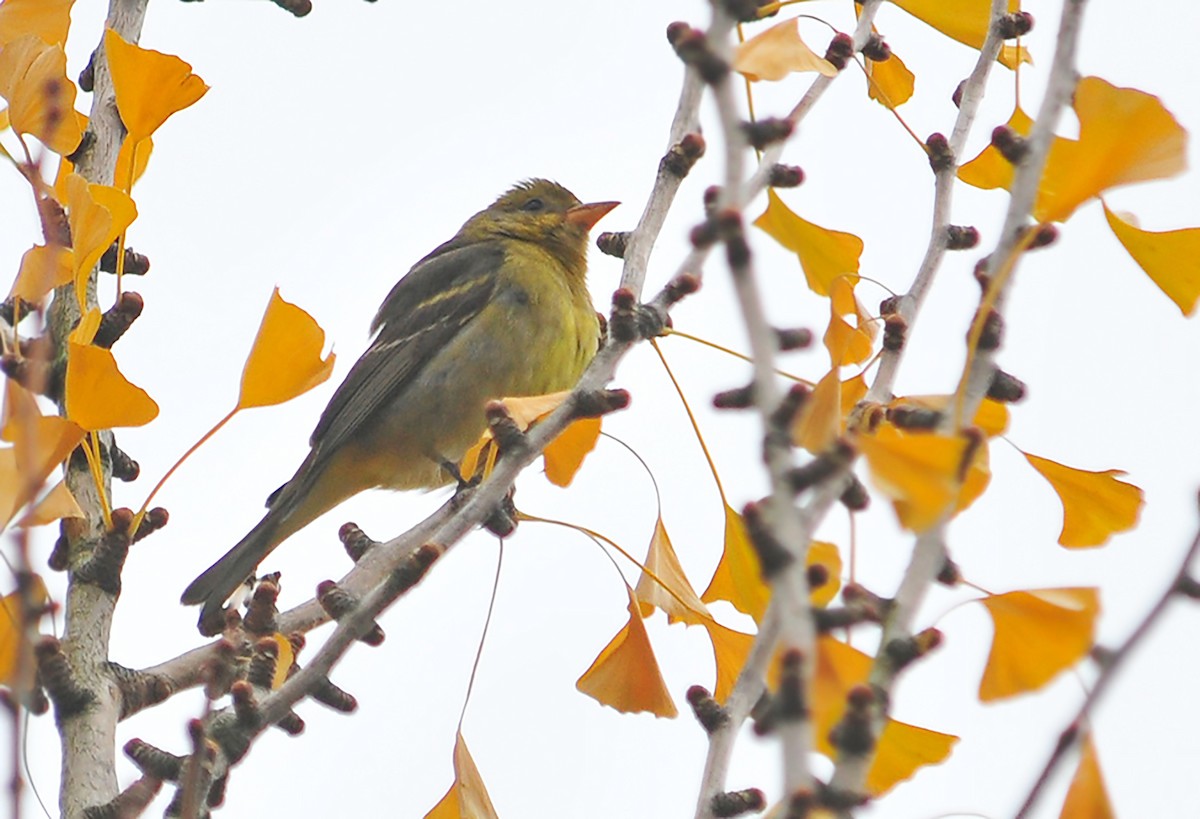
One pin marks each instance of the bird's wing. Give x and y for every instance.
(422, 313)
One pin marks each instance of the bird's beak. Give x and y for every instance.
(585, 216)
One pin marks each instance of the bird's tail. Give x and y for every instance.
(221, 579)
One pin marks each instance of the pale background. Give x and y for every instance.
(334, 151)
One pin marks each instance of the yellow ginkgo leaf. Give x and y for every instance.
(564, 455)
(58, 503)
(890, 83)
(920, 471)
(777, 52)
(902, 748)
(678, 599)
(821, 553)
(285, 360)
(990, 170)
(283, 660)
(1038, 635)
(14, 492)
(97, 214)
(48, 20)
(41, 100)
(1095, 504)
(16, 651)
(848, 344)
(966, 21)
(150, 86)
(467, 797)
(124, 156)
(1087, 797)
(19, 405)
(42, 442)
(730, 650)
(98, 396)
(43, 268)
(1125, 136)
(1170, 258)
(625, 675)
(821, 420)
(738, 576)
(825, 255)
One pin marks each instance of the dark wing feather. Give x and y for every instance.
(424, 311)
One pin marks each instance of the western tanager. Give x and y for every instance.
(502, 309)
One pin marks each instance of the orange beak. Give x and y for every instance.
(585, 216)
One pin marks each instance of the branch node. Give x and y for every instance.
(153, 761)
(138, 689)
(338, 603)
(69, 697)
(961, 237)
(785, 176)
(735, 803)
(1014, 24)
(102, 568)
(692, 46)
(355, 541)
(261, 612)
(941, 157)
(132, 801)
(1006, 388)
(762, 133)
(683, 155)
(855, 496)
(773, 556)
(709, 713)
(840, 50)
(613, 243)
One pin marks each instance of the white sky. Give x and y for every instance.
(332, 152)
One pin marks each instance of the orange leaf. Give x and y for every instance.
(43, 268)
(777, 52)
(989, 169)
(1170, 258)
(97, 214)
(1125, 136)
(680, 606)
(19, 404)
(903, 749)
(730, 650)
(564, 455)
(58, 503)
(827, 555)
(150, 86)
(285, 360)
(1039, 634)
(467, 797)
(625, 675)
(14, 642)
(41, 100)
(48, 20)
(966, 21)
(825, 255)
(893, 83)
(1095, 504)
(918, 470)
(847, 344)
(98, 396)
(1087, 798)
(821, 420)
(145, 149)
(738, 577)
(283, 660)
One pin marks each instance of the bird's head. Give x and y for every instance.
(542, 212)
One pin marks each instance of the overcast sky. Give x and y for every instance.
(332, 152)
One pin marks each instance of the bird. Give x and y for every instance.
(501, 309)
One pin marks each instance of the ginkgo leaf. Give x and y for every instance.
(821, 553)
(1087, 797)
(730, 650)
(678, 599)
(16, 652)
(97, 215)
(41, 100)
(564, 455)
(19, 404)
(966, 21)
(48, 20)
(467, 797)
(625, 675)
(989, 169)
(902, 748)
(144, 149)
(284, 660)
(1038, 635)
(825, 255)
(1095, 504)
(891, 83)
(821, 420)
(1170, 258)
(150, 86)
(848, 344)
(1125, 136)
(43, 268)
(42, 442)
(738, 576)
(58, 503)
(285, 360)
(85, 330)
(920, 471)
(99, 396)
(777, 52)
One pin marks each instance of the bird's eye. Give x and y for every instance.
(533, 205)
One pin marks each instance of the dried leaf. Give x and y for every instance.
(680, 603)
(1087, 798)
(1095, 504)
(777, 52)
(467, 797)
(1039, 634)
(58, 503)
